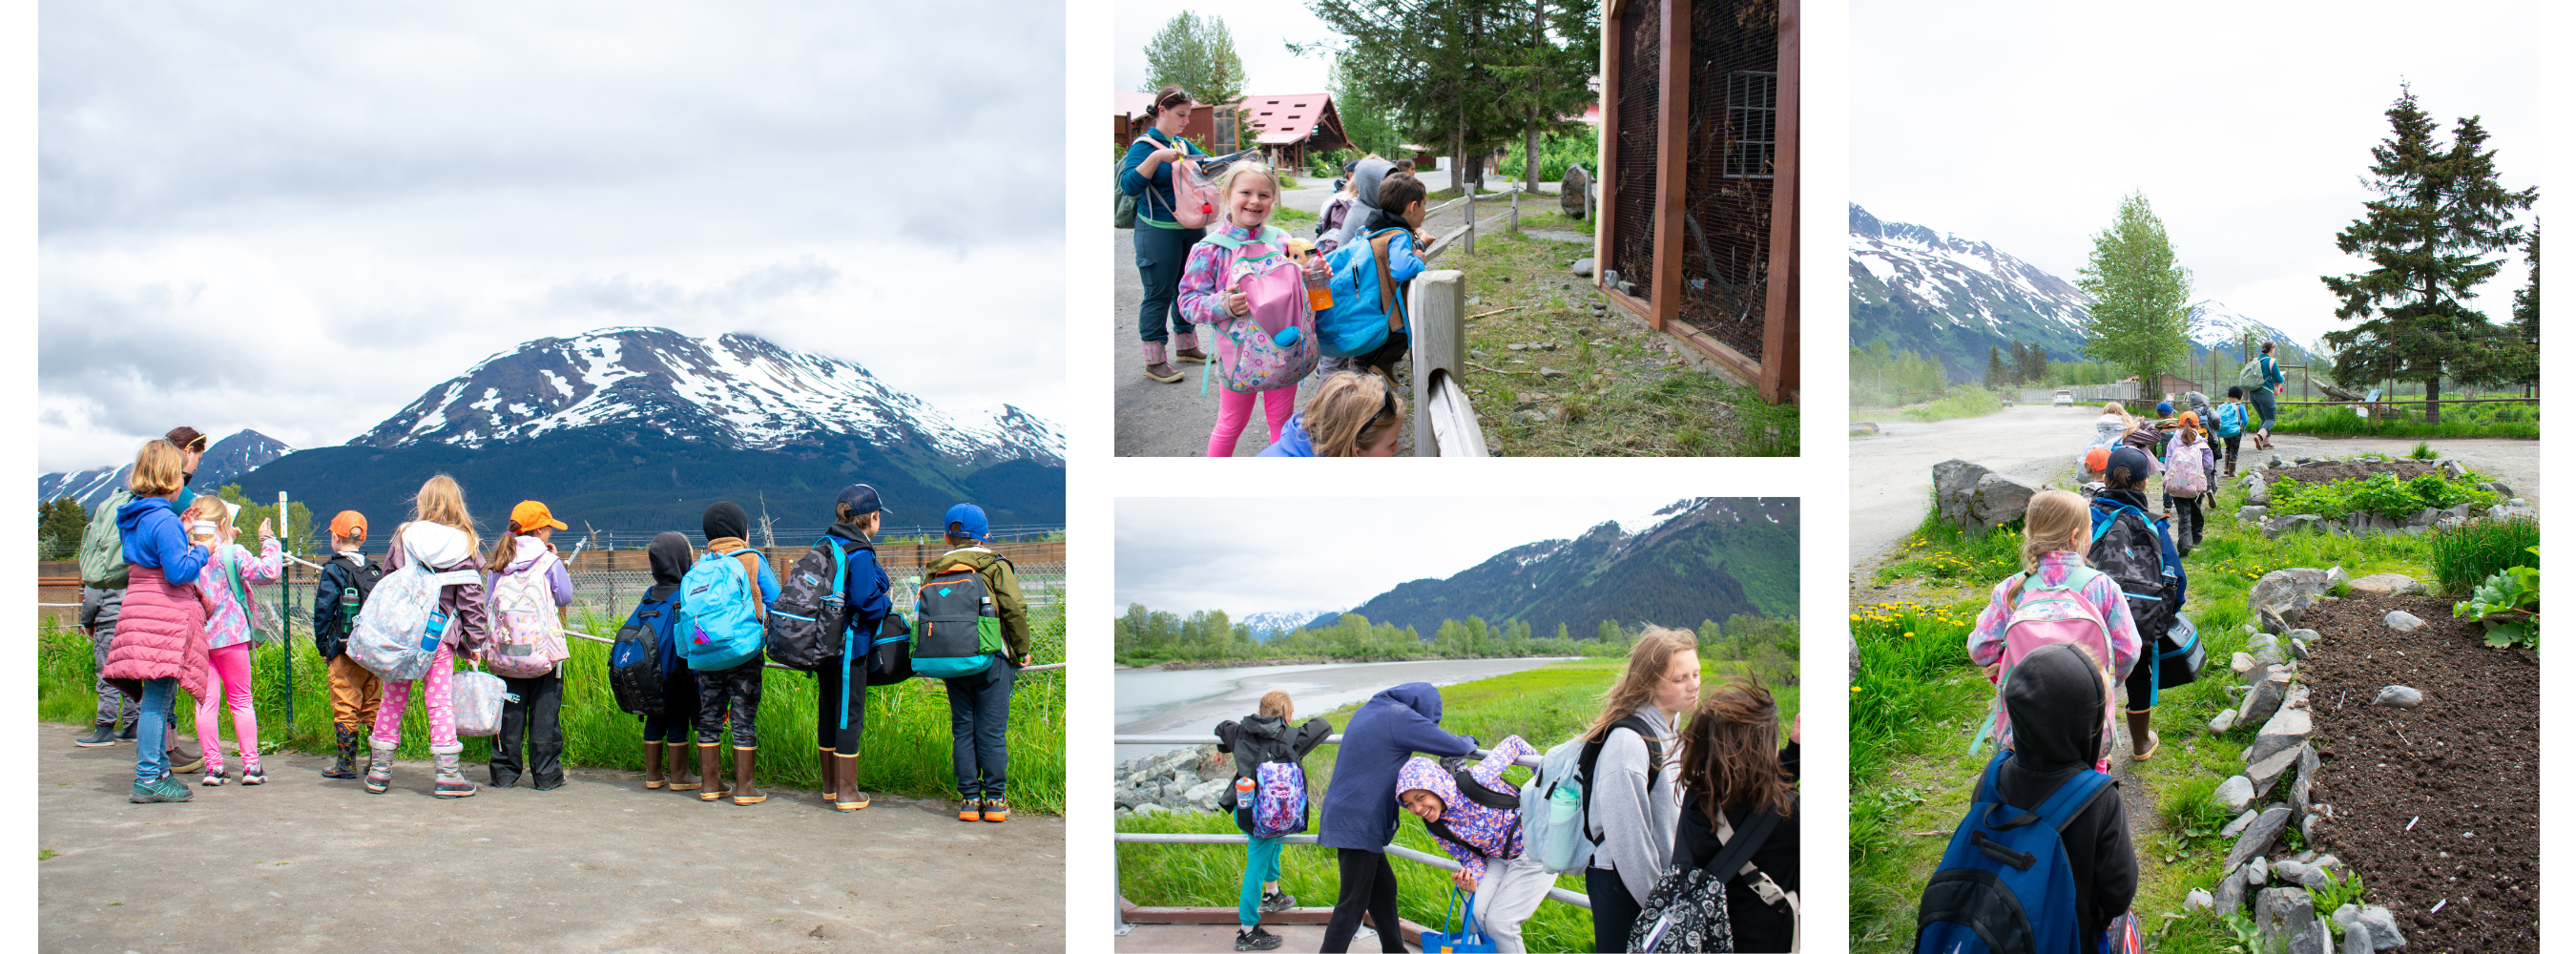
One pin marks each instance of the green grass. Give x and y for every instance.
(2463, 556)
(905, 751)
(1544, 705)
(1965, 400)
(2458, 420)
(1918, 700)
(1286, 217)
(2382, 494)
(45, 854)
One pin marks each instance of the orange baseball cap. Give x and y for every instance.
(530, 515)
(2190, 419)
(348, 523)
(2099, 459)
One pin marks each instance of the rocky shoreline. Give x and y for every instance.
(1188, 780)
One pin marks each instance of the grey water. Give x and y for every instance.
(1193, 701)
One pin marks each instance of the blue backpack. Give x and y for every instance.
(1366, 305)
(718, 629)
(644, 655)
(2004, 884)
(2231, 419)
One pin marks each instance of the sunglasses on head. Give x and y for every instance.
(1386, 408)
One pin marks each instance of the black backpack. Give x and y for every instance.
(808, 622)
(889, 659)
(1592, 753)
(360, 575)
(637, 663)
(2127, 548)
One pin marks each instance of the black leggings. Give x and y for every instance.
(829, 733)
(2187, 521)
(2142, 677)
(1368, 883)
(679, 708)
(1614, 912)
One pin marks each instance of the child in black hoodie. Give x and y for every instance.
(2057, 702)
(1264, 737)
(667, 731)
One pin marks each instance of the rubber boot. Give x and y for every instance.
(652, 765)
(1158, 364)
(743, 793)
(707, 767)
(2139, 720)
(1185, 347)
(450, 781)
(681, 779)
(344, 758)
(845, 784)
(380, 765)
(2231, 470)
(831, 785)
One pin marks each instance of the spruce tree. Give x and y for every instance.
(2440, 214)
(1995, 375)
(2140, 319)
(2017, 360)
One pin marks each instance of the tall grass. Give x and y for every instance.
(2463, 556)
(2461, 420)
(905, 750)
(1966, 400)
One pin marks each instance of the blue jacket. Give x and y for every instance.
(1359, 807)
(1292, 441)
(154, 540)
(865, 589)
(2272, 377)
(1153, 194)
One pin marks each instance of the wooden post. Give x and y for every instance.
(1671, 180)
(1607, 143)
(1780, 304)
(285, 620)
(1439, 301)
(1471, 218)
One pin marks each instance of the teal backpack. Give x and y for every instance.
(717, 627)
(958, 627)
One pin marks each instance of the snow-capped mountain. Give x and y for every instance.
(2214, 325)
(733, 390)
(1266, 625)
(225, 460)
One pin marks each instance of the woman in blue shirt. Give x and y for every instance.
(1162, 245)
(2264, 398)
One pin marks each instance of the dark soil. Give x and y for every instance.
(2328, 471)
(2464, 767)
(1722, 315)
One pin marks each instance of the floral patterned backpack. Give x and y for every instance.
(529, 639)
(1272, 346)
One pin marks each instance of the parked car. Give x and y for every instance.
(2065, 398)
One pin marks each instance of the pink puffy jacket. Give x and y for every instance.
(160, 633)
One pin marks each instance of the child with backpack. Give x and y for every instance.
(970, 584)
(2136, 550)
(2082, 872)
(2056, 598)
(228, 634)
(1276, 803)
(2230, 421)
(1367, 327)
(2108, 431)
(1241, 285)
(439, 539)
(1630, 801)
(339, 591)
(1735, 852)
(529, 589)
(2188, 463)
(1359, 804)
(1353, 415)
(116, 713)
(667, 727)
(842, 705)
(725, 596)
(160, 644)
(1482, 832)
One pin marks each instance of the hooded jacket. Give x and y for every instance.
(524, 553)
(1004, 583)
(161, 628)
(1292, 441)
(1257, 739)
(444, 549)
(229, 621)
(1488, 832)
(1359, 805)
(1757, 926)
(866, 591)
(669, 557)
(2056, 703)
(1365, 179)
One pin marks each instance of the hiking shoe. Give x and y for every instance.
(182, 768)
(1276, 901)
(214, 777)
(971, 809)
(1255, 939)
(104, 734)
(997, 810)
(163, 789)
(125, 734)
(254, 775)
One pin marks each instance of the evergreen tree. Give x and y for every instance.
(1197, 53)
(1364, 119)
(2034, 364)
(1996, 376)
(2526, 318)
(2140, 316)
(1437, 67)
(2017, 363)
(2440, 214)
(59, 523)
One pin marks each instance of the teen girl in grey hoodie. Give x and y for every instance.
(1634, 807)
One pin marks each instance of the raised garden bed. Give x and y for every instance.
(2323, 471)
(2463, 767)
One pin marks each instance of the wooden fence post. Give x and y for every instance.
(1439, 345)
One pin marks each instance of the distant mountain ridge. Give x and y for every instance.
(1708, 559)
(1266, 625)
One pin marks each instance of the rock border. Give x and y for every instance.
(2257, 511)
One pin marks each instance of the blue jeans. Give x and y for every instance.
(152, 732)
(2262, 399)
(979, 722)
(1261, 865)
(1160, 256)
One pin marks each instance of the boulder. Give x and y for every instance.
(2228, 897)
(2398, 697)
(2422, 518)
(2263, 696)
(2303, 788)
(2240, 663)
(2453, 470)
(2282, 912)
(2257, 492)
(2258, 836)
(1977, 499)
(1570, 197)
(2289, 593)
(2383, 928)
(2513, 511)
(2289, 727)
(2257, 872)
(1203, 796)
(2276, 526)
(2268, 770)
(2272, 654)
(2314, 938)
(2199, 899)
(2223, 721)
(2356, 940)
(2234, 794)
(2403, 621)
(2252, 514)
(1582, 266)
(2238, 826)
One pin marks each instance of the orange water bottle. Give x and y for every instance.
(1319, 289)
(1243, 790)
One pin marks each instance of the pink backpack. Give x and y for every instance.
(1273, 346)
(2045, 615)
(2186, 472)
(1195, 199)
(528, 639)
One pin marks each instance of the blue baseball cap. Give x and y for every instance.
(2137, 461)
(2164, 407)
(967, 520)
(861, 499)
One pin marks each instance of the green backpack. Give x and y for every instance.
(2252, 376)
(1125, 216)
(102, 546)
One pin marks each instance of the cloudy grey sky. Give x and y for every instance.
(1192, 553)
(1261, 34)
(299, 217)
(2248, 126)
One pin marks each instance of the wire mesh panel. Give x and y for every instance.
(1734, 97)
(1633, 152)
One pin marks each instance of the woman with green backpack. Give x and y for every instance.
(1162, 242)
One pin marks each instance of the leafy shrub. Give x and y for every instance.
(1556, 154)
(2381, 494)
(2464, 556)
(2509, 601)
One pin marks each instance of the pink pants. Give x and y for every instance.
(231, 667)
(439, 700)
(1233, 411)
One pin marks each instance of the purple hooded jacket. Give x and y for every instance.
(1489, 832)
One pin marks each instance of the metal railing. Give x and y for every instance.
(1117, 897)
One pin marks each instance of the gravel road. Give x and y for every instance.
(601, 864)
(1891, 473)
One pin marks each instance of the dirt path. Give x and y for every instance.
(602, 864)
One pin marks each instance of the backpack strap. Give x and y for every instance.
(1379, 244)
(1591, 755)
(1442, 829)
